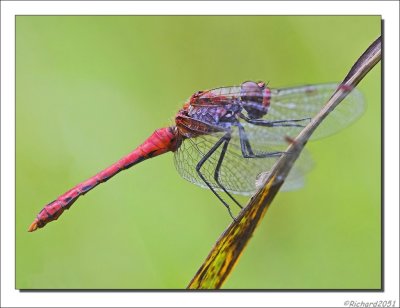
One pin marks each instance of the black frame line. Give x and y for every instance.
(382, 187)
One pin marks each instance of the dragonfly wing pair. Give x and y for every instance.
(240, 175)
(307, 101)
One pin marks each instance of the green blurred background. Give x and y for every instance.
(90, 89)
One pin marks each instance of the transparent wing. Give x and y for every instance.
(240, 175)
(296, 177)
(225, 92)
(237, 174)
(305, 102)
(295, 103)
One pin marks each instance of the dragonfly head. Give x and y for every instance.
(255, 99)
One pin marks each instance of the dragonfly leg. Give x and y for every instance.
(277, 123)
(247, 151)
(201, 163)
(218, 167)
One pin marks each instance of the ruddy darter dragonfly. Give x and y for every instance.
(224, 138)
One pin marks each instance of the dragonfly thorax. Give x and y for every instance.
(255, 99)
(218, 109)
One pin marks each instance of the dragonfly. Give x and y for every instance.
(224, 138)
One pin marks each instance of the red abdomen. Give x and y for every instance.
(161, 141)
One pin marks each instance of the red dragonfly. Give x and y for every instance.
(224, 138)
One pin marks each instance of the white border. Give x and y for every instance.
(13, 298)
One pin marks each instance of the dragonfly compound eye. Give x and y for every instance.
(251, 95)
